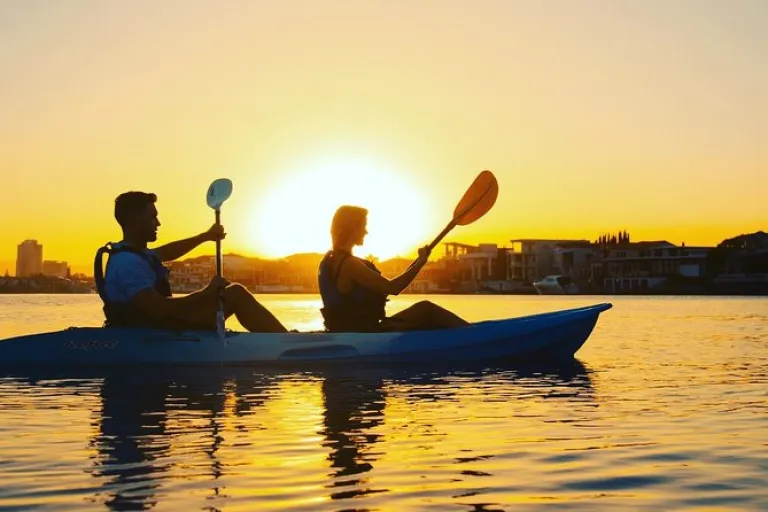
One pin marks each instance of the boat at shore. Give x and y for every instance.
(556, 285)
(556, 335)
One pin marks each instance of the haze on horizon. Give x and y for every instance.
(594, 116)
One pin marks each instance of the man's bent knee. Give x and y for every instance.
(236, 293)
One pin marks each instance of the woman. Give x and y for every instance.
(355, 293)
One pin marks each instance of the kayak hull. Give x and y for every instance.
(547, 336)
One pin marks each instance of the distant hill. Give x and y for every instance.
(307, 258)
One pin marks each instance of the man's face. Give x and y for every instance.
(147, 223)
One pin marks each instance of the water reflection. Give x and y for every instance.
(355, 401)
(153, 421)
(132, 441)
(354, 406)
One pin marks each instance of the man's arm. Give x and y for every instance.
(179, 248)
(175, 250)
(132, 278)
(180, 308)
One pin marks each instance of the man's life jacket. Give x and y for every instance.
(121, 313)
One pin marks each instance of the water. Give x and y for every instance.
(665, 409)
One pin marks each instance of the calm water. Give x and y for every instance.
(665, 409)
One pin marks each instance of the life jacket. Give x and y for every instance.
(360, 310)
(122, 313)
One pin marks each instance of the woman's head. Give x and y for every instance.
(348, 227)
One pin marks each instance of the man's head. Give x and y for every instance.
(137, 215)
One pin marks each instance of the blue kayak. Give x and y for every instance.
(546, 336)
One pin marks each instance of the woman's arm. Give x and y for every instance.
(360, 274)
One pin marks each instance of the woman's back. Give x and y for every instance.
(356, 309)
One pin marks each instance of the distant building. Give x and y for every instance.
(740, 264)
(613, 264)
(295, 274)
(575, 260)
(750, 242)
(190, 275)
(481, 262)
(55, 268)
(534, 258)
(29, 259)
(642, 266)
(472, 268)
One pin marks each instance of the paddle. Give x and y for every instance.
(476, 202)
(218, 192)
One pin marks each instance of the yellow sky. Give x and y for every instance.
(594, 116)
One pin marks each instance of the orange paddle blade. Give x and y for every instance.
(478, 199)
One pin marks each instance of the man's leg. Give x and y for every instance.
(251, 315)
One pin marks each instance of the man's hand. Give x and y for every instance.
(215, 232)
(216, 285)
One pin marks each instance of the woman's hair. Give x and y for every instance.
(346, 222)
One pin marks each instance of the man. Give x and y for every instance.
(136, 291)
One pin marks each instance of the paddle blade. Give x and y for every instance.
(218, 192)
(478, 199)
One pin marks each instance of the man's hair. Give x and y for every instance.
(130, 203)
(346, 221)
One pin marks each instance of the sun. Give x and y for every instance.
(294, 216)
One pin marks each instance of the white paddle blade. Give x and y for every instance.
(218, 192)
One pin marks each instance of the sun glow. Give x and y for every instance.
(295, 215)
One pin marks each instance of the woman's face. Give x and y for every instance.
(362, 231)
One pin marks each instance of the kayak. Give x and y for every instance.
(546, 336)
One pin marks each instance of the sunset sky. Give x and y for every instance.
(649, 116)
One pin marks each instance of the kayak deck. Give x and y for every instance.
(554, 335)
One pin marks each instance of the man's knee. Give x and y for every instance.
(236, 293)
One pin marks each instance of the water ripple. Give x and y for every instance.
(666, 410)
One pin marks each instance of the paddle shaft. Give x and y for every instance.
(218, 245)
(219, 272)
(442, 234)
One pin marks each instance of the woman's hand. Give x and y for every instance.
(424, 253)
